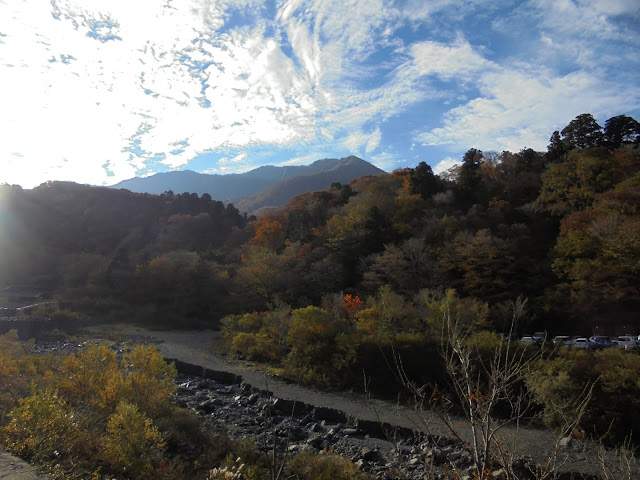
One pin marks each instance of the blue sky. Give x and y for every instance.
(100, 91)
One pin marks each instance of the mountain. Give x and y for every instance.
(235, 187)
(343, 171)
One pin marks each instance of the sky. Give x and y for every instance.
(98, 91)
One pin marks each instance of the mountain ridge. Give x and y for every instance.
(267, 185)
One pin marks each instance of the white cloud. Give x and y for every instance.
(385, 161)
(458, 61)
(331, 38)
(359, 141)
(374, 141)
(445, 164)
(588, 21)
(612, 7)
(518, 110)
(303, 160)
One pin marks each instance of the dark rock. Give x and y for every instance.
(329, 414)
(368, 454)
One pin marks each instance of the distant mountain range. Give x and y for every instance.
(266, 186)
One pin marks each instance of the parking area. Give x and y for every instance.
(595, 342)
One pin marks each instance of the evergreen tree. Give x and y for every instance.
(582, 132)
(621, 129)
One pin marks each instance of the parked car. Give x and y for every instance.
(560, 339)
(528, 340)
(599, 342)
(540, 337)
(628, 342)
(580, 342)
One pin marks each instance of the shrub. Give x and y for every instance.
(612, 411)
(149, 380)
(255, 346)
(323, 466)
(132, 443)
(92, 378)
(42, 426)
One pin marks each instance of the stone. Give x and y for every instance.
(500, 474)
(233, 388)
(368, 454)
(316, 427)
(455, 455)
(565, 442)
(315, 442)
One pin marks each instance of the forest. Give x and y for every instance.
(320, 288)
(558, 227)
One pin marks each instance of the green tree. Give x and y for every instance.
(556, 150)
(597, 257)
(621, 129)
(572, 185)
(480, 264)
(469, 177)
(582, 132)
(321, 347)
(408, 267)
(423, 182)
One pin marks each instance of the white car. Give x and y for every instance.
(580, 342)
(628, 342)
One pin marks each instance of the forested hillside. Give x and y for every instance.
(560, 228)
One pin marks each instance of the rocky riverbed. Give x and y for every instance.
(286, 426)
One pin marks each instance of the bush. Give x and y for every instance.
(614, 373)
(149, 380)
(42, 427)
(323, 466)
(92, 378)
(132, 443)
(255, 346)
